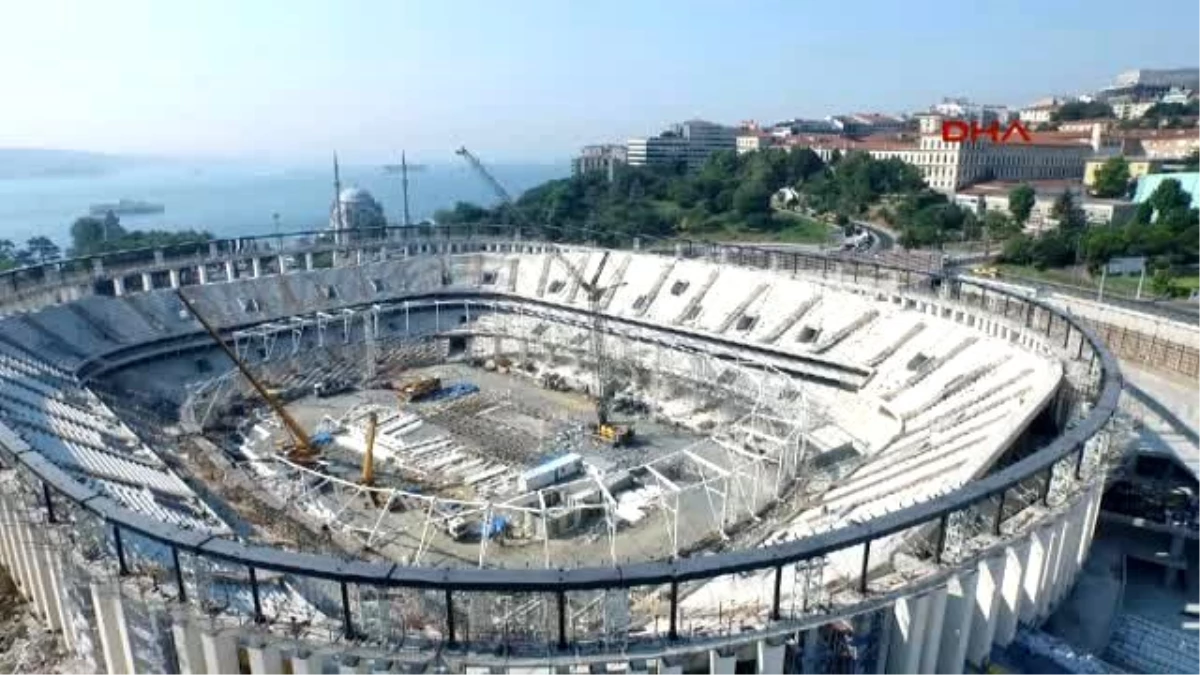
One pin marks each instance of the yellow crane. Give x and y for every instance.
(301, 450)
(368, 465)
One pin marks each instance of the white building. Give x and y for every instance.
(356, 209)
(605, 158)
(754, 141)
(691, 142)
(1038, 113)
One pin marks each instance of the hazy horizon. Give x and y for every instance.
(276, 82)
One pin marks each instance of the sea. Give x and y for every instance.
(241, 199)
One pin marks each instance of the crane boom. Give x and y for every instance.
(487, 175)
(303, 450)
(599, 355)
(368, 467)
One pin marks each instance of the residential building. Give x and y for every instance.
(1138, 167)
(605, 157)
(1038, 113)
(993, 196)
(1178, 95)
(691, 142)
(965, 109)
(865, 124)
(1159, 143)
(1129, 107)
(752, 141)
(1086, 126)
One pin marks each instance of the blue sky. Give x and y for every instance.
(530, 79)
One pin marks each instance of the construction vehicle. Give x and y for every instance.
(604, 428)
(989, 272)
(419, 389)
(299, 449)
(331, 387)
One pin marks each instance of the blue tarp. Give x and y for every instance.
(321, 438)
(453, 391)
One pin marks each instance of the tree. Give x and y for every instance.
(752, 197)
(1067, 212)
(1020, 202)
(999, 226)
(87, 235)
(1192, 161)
(1162, 282)
(1112, 178)
(1080, 110)
(42, 250)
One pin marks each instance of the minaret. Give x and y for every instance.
(404, 184)
(337, 195)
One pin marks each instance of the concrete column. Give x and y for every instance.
(678, 250)
(110, 625)
(909, 616)
(174, 274)
(308, 261)
(265, 659)
(1031, 584)
(1010, 593)
(37, 590)
(230, 271)
(770, 656)
(256, 267)
(933, 629)
(98, 266)
(202, 273)
(147, 281)
(308, 663)
(280, 259)
(212, 249)
(956, 626)
(335, 257)
(1047, 581)
(358, 257)
(189, 647)
(1089, 530)
(637, 243)
(220, 652)
(983, 617)
(1073, 541)
(1062, 533)
(720, 663)
(118, 286)
(158, 256)
(43, 555)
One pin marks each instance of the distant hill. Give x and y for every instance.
(39, 163)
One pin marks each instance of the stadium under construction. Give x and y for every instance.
(474, 449)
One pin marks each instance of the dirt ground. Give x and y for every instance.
(25, 644)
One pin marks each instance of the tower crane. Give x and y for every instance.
(301, 450)
(613, 433)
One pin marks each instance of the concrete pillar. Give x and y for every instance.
(147, 281)
(220, 652)
(281, 259)
(174, 275)
(1062, 536)
(189, 647)
(933, 629)
(212, 249)
(256, 267)
(983, 618)
(118, 286)
(1031, 584)
(230, 271)
(158, 256)
(98, 267)
(358, 257)
(37, 590)
(308, 261)
(770, 656)
(42, 554)
(956, 625)
(264, 659)
(110, 625)
(202, 273)
(1073, 540)
(308, 663)
(637, 243)
(1047, 577)
(722, 663)
(678, 250)
(1010, 593)
(909, 616)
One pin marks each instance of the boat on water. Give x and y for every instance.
(126, 207)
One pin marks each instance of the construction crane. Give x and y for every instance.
(605, 429)
(480, 169)
(403, 168)
(368, 465)
(616, 434)
(301, 450)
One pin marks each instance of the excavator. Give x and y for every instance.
(300, 448)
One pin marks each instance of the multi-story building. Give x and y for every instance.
(1129, 107)
(1159, 143)
(993, 196)
(691, 142)
(865, 124)
(1038, 113)
(751, 141)
(965, 109)
(605, 157)
(1147, 83)
(1138, 167)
